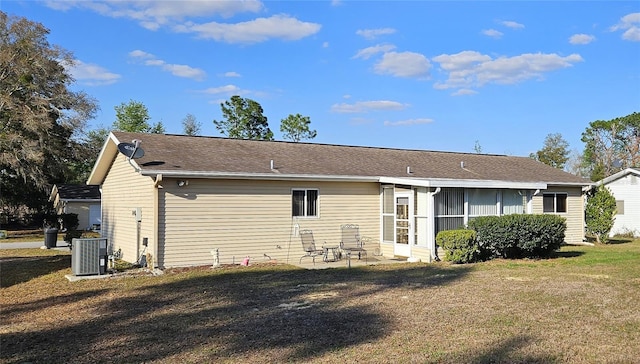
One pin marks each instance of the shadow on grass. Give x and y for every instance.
(17, 270)
(619, 240)
(506, 352)
(567, 254)
(276, 314)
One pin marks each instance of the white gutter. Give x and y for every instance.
(419, 182)
(468, 183)
(260, 176)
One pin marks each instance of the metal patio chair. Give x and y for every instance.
(351, 242)
(309, 246)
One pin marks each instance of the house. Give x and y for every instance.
(186, 198)
(83, 200)
(625, 187)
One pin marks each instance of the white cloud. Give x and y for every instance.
(403, 64)
(91, 74)
(226, 89)
(254, 31)
(581, 39)
(464, 91)
(470, 69)
(630, 23)
(366, 106)
(408, 122)
(231, 74)
(325, 44)
(155, 14)
(512, 24)
(371, 34)
(179, 70)
(369, 52)
(492, 33)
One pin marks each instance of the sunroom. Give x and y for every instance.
(412, 215)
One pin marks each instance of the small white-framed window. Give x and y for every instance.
(304, 202)
(554, 203)
(619, 207)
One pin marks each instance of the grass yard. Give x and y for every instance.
(579, 307)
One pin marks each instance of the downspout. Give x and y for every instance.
(156, 213)
(530, 202)
(434, 250)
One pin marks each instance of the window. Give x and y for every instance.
(449, 209)
(554, 202)
(304, 203)
(619, 207)
(513, 202)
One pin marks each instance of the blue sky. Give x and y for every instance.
(413, 74)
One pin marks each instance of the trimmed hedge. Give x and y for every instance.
(460, 245)
(519, 235)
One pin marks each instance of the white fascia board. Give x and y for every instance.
(618, 175)
(406, 181)
(258, 176)
(465, 183)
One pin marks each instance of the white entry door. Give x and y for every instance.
(404, 224)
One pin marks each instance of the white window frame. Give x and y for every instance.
(306, 201)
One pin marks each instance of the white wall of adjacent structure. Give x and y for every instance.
(626, 189)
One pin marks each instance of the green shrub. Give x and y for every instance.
(460, 245)
(70, 223)
(600, 212)
(518, 235)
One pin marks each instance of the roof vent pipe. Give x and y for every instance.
(409, 170)
(462, 164)
(272, 164)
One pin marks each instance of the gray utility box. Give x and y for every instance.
(89, 256)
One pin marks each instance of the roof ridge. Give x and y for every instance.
(328, 144)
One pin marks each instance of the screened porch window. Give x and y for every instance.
(449, 209)
(554, 203)
(513, 202)
(304, 203)
(482, 202)
(388, 228)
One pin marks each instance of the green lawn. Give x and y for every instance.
(579, 307)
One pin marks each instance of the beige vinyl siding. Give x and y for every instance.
(123, 191)
(253, 218)
(574, 215)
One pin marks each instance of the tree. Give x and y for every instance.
(190, 125)
(554, 153)
(477, 147)
(296, 127)
(40, 116)
(600, 212)
(243, 119)
(134, 117)
(612, 145)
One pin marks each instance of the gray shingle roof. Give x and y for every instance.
(179, 153)
(78, 192)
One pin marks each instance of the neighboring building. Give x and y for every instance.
(190, 195)
(83, 200)
(625, 187)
